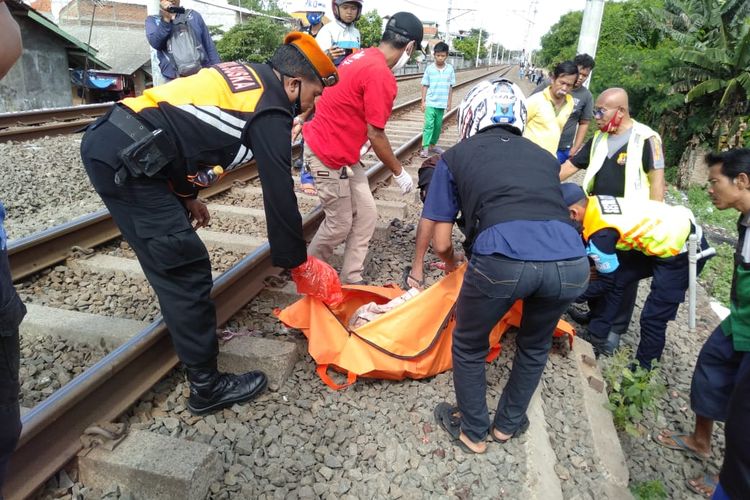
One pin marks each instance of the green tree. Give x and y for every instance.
(370, 26)
(712, 67)
(270, 7)
(561, 41)
(253, 41)
(468, 45)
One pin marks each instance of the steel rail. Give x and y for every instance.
(51, 430)
(25, 125)
(44, 249)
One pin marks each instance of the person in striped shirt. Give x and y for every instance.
(437, 91)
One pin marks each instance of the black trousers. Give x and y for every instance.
(155, 223)
(491, 286)
(12, 312)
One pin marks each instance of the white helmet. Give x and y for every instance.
(491, 103)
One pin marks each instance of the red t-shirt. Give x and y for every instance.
(364, 94)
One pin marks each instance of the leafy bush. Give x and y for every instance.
(649, 490)
(632, 390)
(253, 41)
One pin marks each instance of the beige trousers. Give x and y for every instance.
(350, 216)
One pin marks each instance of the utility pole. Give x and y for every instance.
(479, 44)
(588, 40)
(448, 23)
(153, 9)
(531, 20)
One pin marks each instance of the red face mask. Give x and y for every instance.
(612, 125)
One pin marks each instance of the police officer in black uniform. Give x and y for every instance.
(146, 157)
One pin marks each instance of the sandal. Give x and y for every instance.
(449, 418)
(406, 276)
(518, 432)
(679, 444)
(706, 485)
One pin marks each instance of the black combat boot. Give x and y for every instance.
(211, 390)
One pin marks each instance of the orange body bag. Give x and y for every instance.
(411, 341)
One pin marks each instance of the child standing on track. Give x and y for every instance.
(437, 91)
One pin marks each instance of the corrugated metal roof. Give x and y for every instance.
(124, 50)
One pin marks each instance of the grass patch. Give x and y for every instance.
(649, 490)
(633, 390)
(717, 275)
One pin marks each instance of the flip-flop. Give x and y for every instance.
(449, 418)
(406, 276)
(708, 480)
(521, 429)
(680, 444)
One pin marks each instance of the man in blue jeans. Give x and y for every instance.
(523, 246)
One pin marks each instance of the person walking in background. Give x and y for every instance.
(724, 358)
(437, 93)
(575, 129)
(12, 309)
(548, 111)
(181, 39)
(346, 117)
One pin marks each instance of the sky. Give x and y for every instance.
(505, 20)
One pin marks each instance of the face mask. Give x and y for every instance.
(402, 61)
(612, 125)
(314, 18)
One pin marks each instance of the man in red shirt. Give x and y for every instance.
(346, 117)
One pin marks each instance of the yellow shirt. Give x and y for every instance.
(543, 124)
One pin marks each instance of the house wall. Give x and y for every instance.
(40, 78)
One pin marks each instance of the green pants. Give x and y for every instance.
(433, 122)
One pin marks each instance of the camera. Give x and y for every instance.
(173, 9)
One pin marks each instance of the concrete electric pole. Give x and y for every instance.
(479, 45)
(448, 23)
(588, 40)
(152, 9)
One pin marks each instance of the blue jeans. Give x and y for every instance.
(491, 286)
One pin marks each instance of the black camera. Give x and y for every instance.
(174, 9)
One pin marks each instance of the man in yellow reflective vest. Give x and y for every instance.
(625, 159)
(629, 240)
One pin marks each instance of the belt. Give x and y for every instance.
(128, 123)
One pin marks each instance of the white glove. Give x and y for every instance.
(404, 180)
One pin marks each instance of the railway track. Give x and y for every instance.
(52, 429)
(37, 123)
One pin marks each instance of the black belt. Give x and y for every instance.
(128, 124)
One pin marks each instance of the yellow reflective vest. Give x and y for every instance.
(636, 180)
(651, 227)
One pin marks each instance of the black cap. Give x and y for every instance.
(408, 25)
(572, 193)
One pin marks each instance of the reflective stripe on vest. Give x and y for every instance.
(636, 180)
(650, 227)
